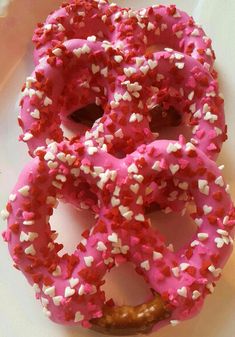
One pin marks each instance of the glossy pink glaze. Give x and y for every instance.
(135, 30)
(123, 232)
(80, 72)
(86, 52)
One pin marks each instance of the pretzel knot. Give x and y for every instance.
(70, 286)
(104, 74)
(84, 73)
(126, 86)
(100, 66)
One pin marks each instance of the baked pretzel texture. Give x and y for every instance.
(129, 320)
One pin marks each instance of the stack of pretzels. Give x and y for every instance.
(119, 77)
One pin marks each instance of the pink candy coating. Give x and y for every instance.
(80, 73)
(69, 286)
(86, 52)
(111, 71)
(130, 30)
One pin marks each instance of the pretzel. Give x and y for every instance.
(108, 69)
(78, 73)
(69, 287)
(127, 29)
(139, 32)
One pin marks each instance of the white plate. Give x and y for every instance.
(20, 314)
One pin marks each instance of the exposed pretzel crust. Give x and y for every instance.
(129, 320)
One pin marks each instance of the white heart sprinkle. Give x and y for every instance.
(157, 256)
(30, 250)
(179, 65)
(47, 101)
(49, 156)
(101, 246)
(52, 164)
(182, 292)
(118, 58)
(88, 260)
(50, 291)
(144, 69)
(4, 214)
(138, 177)
(24, 191)
(152, 64)
(145, 265)
(184, 266)
(73, 282)
(156, 166)
(57, 300)
(198, 222)
(115, 201)
(132, 168)
(219, 242)
(24, 237)
(176, 271)
(113, 238)
(174, 168)
(134, 188)
(69, 292)
(139, 217)
(196, 294)
(219, 181)
(173, 147)
(78, 317)
(207, 209)
(35, 114)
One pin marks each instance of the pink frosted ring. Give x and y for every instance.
(69, 287)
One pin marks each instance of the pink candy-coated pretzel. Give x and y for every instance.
(133, 32)
(92, 52)
(77, 73)
(126, 28)
(69, 286)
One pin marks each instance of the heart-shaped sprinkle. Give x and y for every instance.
(174, 168)
(182, 292)
(69, 292)
(207, 209)
(73, 282)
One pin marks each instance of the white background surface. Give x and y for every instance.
(20, 314)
